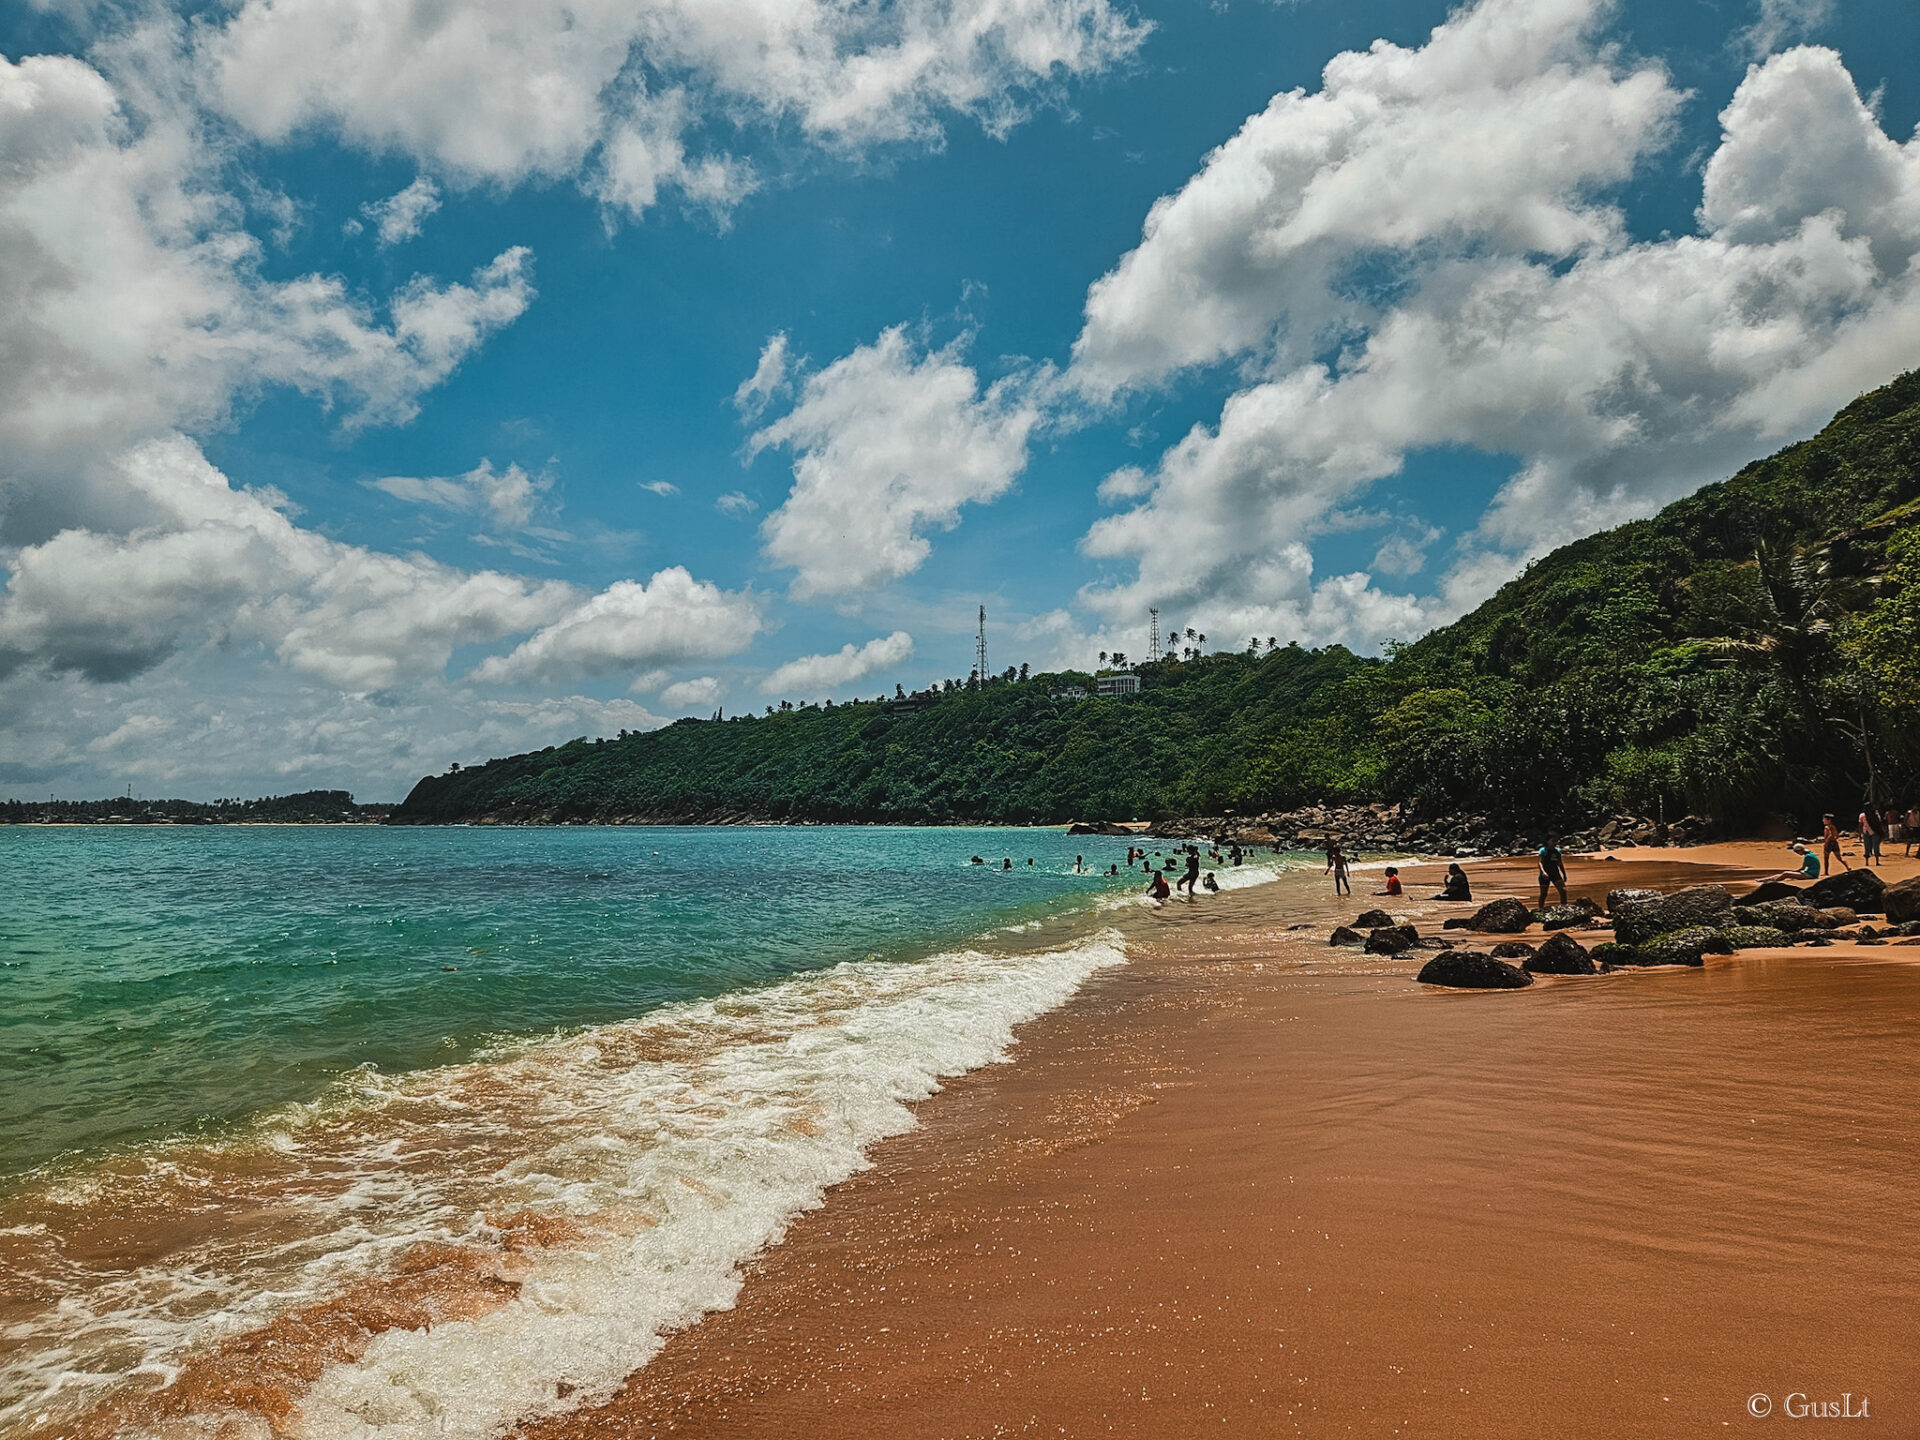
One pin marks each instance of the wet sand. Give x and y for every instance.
(1247, 1185)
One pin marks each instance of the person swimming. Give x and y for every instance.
(1210, 884)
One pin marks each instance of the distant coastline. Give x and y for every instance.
(310, 807)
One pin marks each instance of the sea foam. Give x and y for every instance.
(669, 1149)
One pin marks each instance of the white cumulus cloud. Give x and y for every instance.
(617, 92)
(700, 693)
(399, 217)
(631, 625)
(814, 677)
(1523, 319)
(889, 442)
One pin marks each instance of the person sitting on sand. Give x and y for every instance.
(1393, 881)
(1157, 888)
(1553, 870)
(1337, 863)
(1210, 884)
(1809, 865)
(1830, 844)
(1457, 886)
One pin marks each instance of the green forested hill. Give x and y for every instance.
(1753, 648)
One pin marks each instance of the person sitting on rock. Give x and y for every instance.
(1457, 886)
(1553, 871)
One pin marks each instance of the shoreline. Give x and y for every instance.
(1236, 1188)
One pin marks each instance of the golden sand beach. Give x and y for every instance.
(1249, 1186)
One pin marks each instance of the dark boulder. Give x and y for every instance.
(1611, 955)
(1755, 937)
(1788, 915)
(1344, 936)
(1902, 900)
(1471, 970)
(1838, 915)
(1560, 955)
(1617, 898)
(1458, 922)
(1512, 950)
(1392, 939)
(1374, 920)
(1770, 890)
(1856, 889)
(1566, 917)
(1696, 907)
(1684, 947)
(1501, 917)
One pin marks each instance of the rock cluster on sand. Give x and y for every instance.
(1374, 920)
(1636, 922)
(1649, 928)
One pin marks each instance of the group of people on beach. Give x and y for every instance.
(1186, 860)
(1877, 829)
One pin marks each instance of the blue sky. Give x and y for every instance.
(376, 395)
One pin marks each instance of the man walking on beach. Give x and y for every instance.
(1553, 870)
(1829, 846)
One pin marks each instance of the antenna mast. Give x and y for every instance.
(980, 647)
(1153, 634)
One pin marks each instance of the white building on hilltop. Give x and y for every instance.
(1125, 684)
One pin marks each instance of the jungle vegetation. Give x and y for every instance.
(1753, 649)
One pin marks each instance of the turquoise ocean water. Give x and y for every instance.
(245, 1072)
(160, 980)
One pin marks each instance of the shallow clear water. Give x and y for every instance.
(553, 1085)
(160, 979)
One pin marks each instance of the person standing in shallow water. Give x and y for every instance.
(1192, 877)
(1553, 870)
(1337, 863)
(1830, 846)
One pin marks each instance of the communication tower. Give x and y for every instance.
(1153, 634)
(980, 647)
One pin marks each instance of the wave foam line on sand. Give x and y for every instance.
(556, 1207)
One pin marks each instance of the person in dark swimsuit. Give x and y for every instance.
(1192, 877)
(1553, 870)
(1457, 886)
